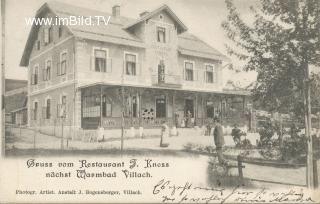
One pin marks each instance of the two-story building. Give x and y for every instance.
(147, 70)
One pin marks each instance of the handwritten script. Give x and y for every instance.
(170, 192)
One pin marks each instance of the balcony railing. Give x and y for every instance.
(168, 80)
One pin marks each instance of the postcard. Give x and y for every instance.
(160, 101)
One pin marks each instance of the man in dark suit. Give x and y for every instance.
(219, 140)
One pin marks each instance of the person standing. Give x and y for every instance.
(164, 135)
(219, 140)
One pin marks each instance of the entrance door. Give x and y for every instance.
(161, 107)
(189, 107)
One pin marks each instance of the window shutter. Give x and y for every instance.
(92, 62)
(32, 79)
(43, 112)
(184, 73)
(58, 68)
(109, 65)
(67, 65)
(138, 68)
(195, 74)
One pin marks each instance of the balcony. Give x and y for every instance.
(167, 80)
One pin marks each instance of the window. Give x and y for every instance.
(64, 100)
(161, 34)
(38, 44)
(209, 74)
(60, 31)
(47, 71)
(34, 76)
(134, 106)
(91, 106)
(62, 108)
(161, 72)
(47, 35)
(50, 34)
(63, 64)
(188, 71)
(48, 109)
(210, 109)
(130, 63)
(100, 60)
(35, 110)
(106, 107)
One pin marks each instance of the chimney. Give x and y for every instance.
(116, 11)
(143, 13)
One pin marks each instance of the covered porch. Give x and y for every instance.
(103, 106)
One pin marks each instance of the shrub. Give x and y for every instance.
(294, 148)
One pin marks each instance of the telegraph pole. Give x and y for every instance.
(122, 117)
(2, 120)
(308, 128)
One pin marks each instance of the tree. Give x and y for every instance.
(280, 44)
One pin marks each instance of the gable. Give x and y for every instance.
(37, 34)
(168, 14)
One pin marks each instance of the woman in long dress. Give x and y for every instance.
(164, 135)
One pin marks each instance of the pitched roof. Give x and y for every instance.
(116, 31)
(12, 84)
(16, 101)
(189, 44)
(181, 27)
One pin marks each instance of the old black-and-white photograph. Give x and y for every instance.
(223, 94)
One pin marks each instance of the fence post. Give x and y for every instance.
(240, 166)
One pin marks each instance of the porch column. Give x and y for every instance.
(167, 106)
(202, 109)
(196, 111)
(131, 108)
(100, 105)
(221, 117)
(140, 108)
(173, 107)
(244, 105)
(122, 117)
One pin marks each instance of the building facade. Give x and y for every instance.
(131, 73)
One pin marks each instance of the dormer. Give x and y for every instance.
(162, 24)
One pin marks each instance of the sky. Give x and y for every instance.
(202, 17)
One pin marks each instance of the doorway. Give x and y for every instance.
(161, 107)
(189, 106)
